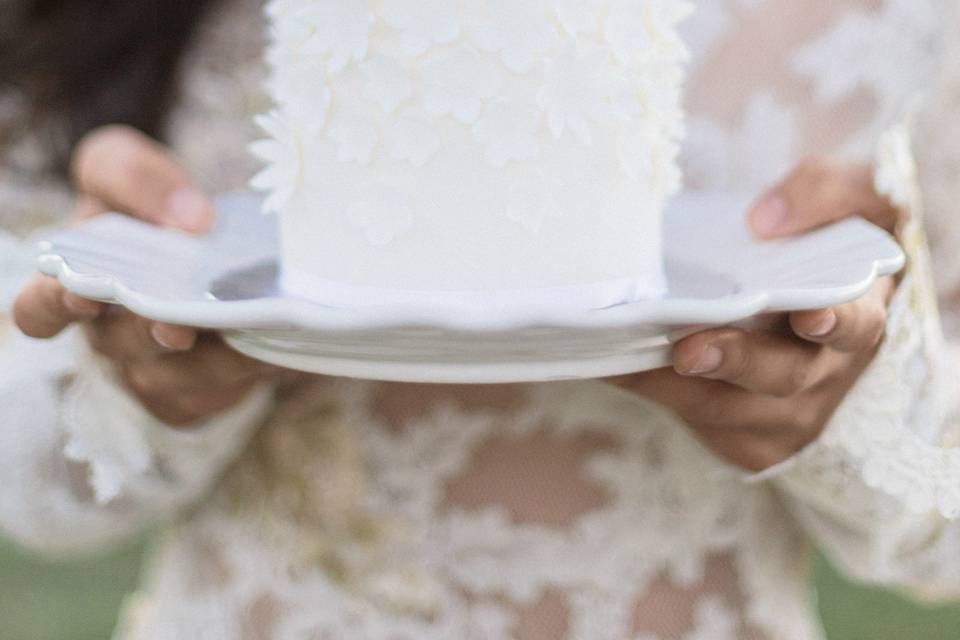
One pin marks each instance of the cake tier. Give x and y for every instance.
(473, 146)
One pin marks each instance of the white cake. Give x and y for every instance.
(474, 151)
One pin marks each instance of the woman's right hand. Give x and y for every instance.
(179, 374)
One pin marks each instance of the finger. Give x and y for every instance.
(757, 449)
(706, 404)
(209, 367)
(818, 192)
(87, 207)
(769, 364)
(749, 430)
(44, 308)
(188, 409)
(203, 405)
(759, 431)
(671, 390)
(125, 169)
(124, 337)
(853, 327)
(173, 337)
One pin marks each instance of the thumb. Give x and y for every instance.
(126, 170)
(818, 193)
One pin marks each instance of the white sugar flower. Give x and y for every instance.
(277, 9)
(627, 30)
(646, 156)
(298, 82)
(412, 138)
(339, 30)
(636, 150)
(521, 32)
(355, 137)
(533, 200)
(283, 154)
(578, 16)
(670, 171)
(387, 83)
(381, 215)
(581, 86)
(458, 82)
(638, 30)
(422, 23)
(508, 132)
(659, 84)
(286, 28)
(667, 14)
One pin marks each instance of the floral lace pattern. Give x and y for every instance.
(432, 540)
(537, 512)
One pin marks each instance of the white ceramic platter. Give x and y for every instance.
(227, 280)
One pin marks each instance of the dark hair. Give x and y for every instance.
(85, 63)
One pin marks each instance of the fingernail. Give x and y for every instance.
(165, 339)
(769, 215)
(189, 209)
(81, 306)
(708, 362)
(825, 326)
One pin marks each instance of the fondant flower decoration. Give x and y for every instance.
(638, 30)
(658, 87)
(520, 32)
(627, 30)
(651, 89)
(508, 132)
(458, 82)
(381, 215)
(412, 139)
(283, 154)
(422, 23)
(355, 137)
(644, 155)
(386, 82)
(665, 15)
(308, 102)
(578, 16)
(533, 200)
(580, 88)
(339, 30)
(670, 169)
(286, 28)
(636, 152)
(278, 9)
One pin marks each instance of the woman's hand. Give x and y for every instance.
(757, 397)
(179, 374)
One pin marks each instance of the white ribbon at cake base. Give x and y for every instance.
(594, 295)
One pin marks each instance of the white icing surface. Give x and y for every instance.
(473, 146)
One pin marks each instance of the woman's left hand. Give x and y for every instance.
(758, 397)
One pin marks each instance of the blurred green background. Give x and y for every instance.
(78, 601)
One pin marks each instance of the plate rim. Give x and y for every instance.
(292, 313)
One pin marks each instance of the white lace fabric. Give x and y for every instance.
(552, 511)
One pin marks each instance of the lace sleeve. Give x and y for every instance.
(82, 464)
(880, 490)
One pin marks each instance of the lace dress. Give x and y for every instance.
(340, 508)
